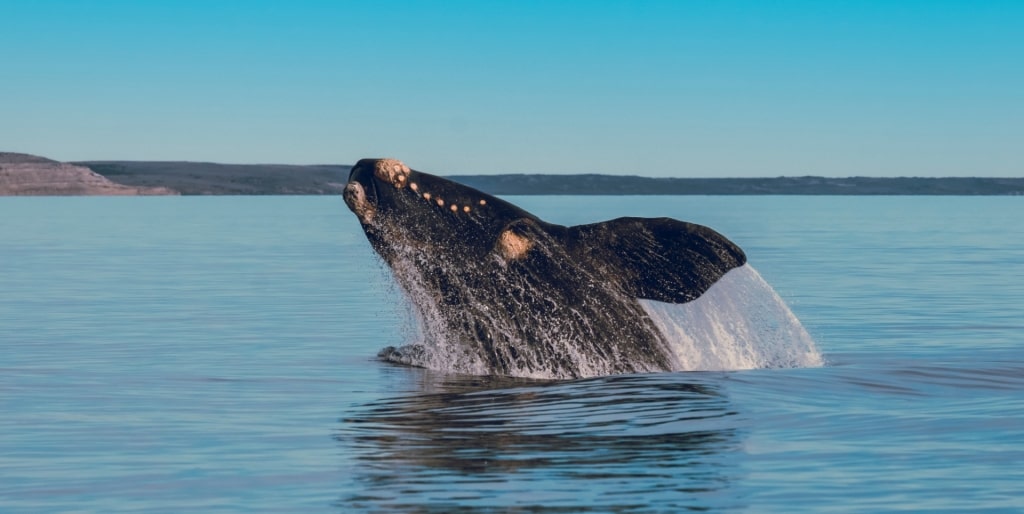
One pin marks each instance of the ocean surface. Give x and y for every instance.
(218, 354)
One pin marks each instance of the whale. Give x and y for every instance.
(499, 291)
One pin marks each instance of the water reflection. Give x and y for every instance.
(619, 443)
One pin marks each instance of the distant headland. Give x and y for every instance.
(23, 174)
(29, 175)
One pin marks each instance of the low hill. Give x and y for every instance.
(30, 175)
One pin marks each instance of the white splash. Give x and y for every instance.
(739, 323)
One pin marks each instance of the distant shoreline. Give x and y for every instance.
(192, 178)
(23, 174)
(808, 185)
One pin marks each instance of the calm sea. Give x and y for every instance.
(217, 354)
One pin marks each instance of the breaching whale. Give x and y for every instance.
(500, 291)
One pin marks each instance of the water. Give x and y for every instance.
(217, 355)
(741, 323)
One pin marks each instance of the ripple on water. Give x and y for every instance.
(605, 442)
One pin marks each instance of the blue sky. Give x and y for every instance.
(669, 88)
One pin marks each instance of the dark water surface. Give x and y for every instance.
(217, 355)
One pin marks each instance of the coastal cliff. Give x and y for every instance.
(30, 175)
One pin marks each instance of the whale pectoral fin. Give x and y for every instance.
(656, 258)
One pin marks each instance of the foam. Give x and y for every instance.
(739, 323)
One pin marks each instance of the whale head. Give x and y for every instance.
(399, 206)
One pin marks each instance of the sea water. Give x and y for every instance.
(217, 354)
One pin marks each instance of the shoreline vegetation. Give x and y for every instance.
(22, 174)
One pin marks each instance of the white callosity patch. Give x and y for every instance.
(513, 246)
(739, 323)
(454, 207)
(392, 171)
(355, 196)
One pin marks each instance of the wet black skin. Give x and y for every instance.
(524, 296)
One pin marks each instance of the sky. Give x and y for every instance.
(657, 88)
